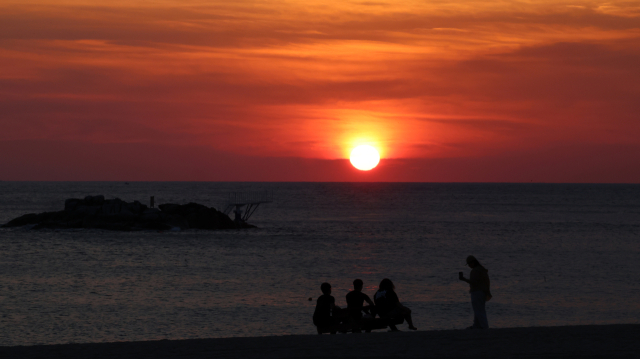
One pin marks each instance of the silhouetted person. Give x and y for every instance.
(388, 305)
(480, 293)
(238, 215)
(355, 304)
(324, 306)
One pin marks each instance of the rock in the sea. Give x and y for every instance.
(116, 214)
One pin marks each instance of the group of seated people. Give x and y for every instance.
(357, 316)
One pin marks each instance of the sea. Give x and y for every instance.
(557, 254)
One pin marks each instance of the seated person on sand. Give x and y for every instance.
(355, 304)
(325, 306)
(388, 305)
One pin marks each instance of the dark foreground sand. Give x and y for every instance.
(604, 341)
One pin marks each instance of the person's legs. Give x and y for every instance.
(406, 313)
(388, 318)
(479, 313)
(325, 325)
(354, 322)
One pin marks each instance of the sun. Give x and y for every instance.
(365, 157)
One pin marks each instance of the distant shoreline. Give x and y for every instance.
(593, 341)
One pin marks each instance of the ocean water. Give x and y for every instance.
(557, 254)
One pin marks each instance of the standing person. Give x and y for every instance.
(355, 303)
(325, 304)
(388, 305)
(480, 293)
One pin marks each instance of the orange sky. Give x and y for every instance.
(472, 91)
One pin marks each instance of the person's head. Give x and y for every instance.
(357, 284)
(386, 284)
(325, 288)
(472, 261)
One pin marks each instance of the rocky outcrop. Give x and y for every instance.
(116, 214)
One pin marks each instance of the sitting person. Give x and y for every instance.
(388, 305)
(355, 304)
(324, 307)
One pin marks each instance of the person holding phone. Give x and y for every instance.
(480, 292)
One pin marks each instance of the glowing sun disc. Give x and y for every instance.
(364, 157)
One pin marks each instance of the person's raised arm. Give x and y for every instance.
(474, 278)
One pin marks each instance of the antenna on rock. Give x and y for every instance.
(251, 200)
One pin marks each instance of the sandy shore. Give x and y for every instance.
(603, 341)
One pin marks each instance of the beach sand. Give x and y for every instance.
(598, 341)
